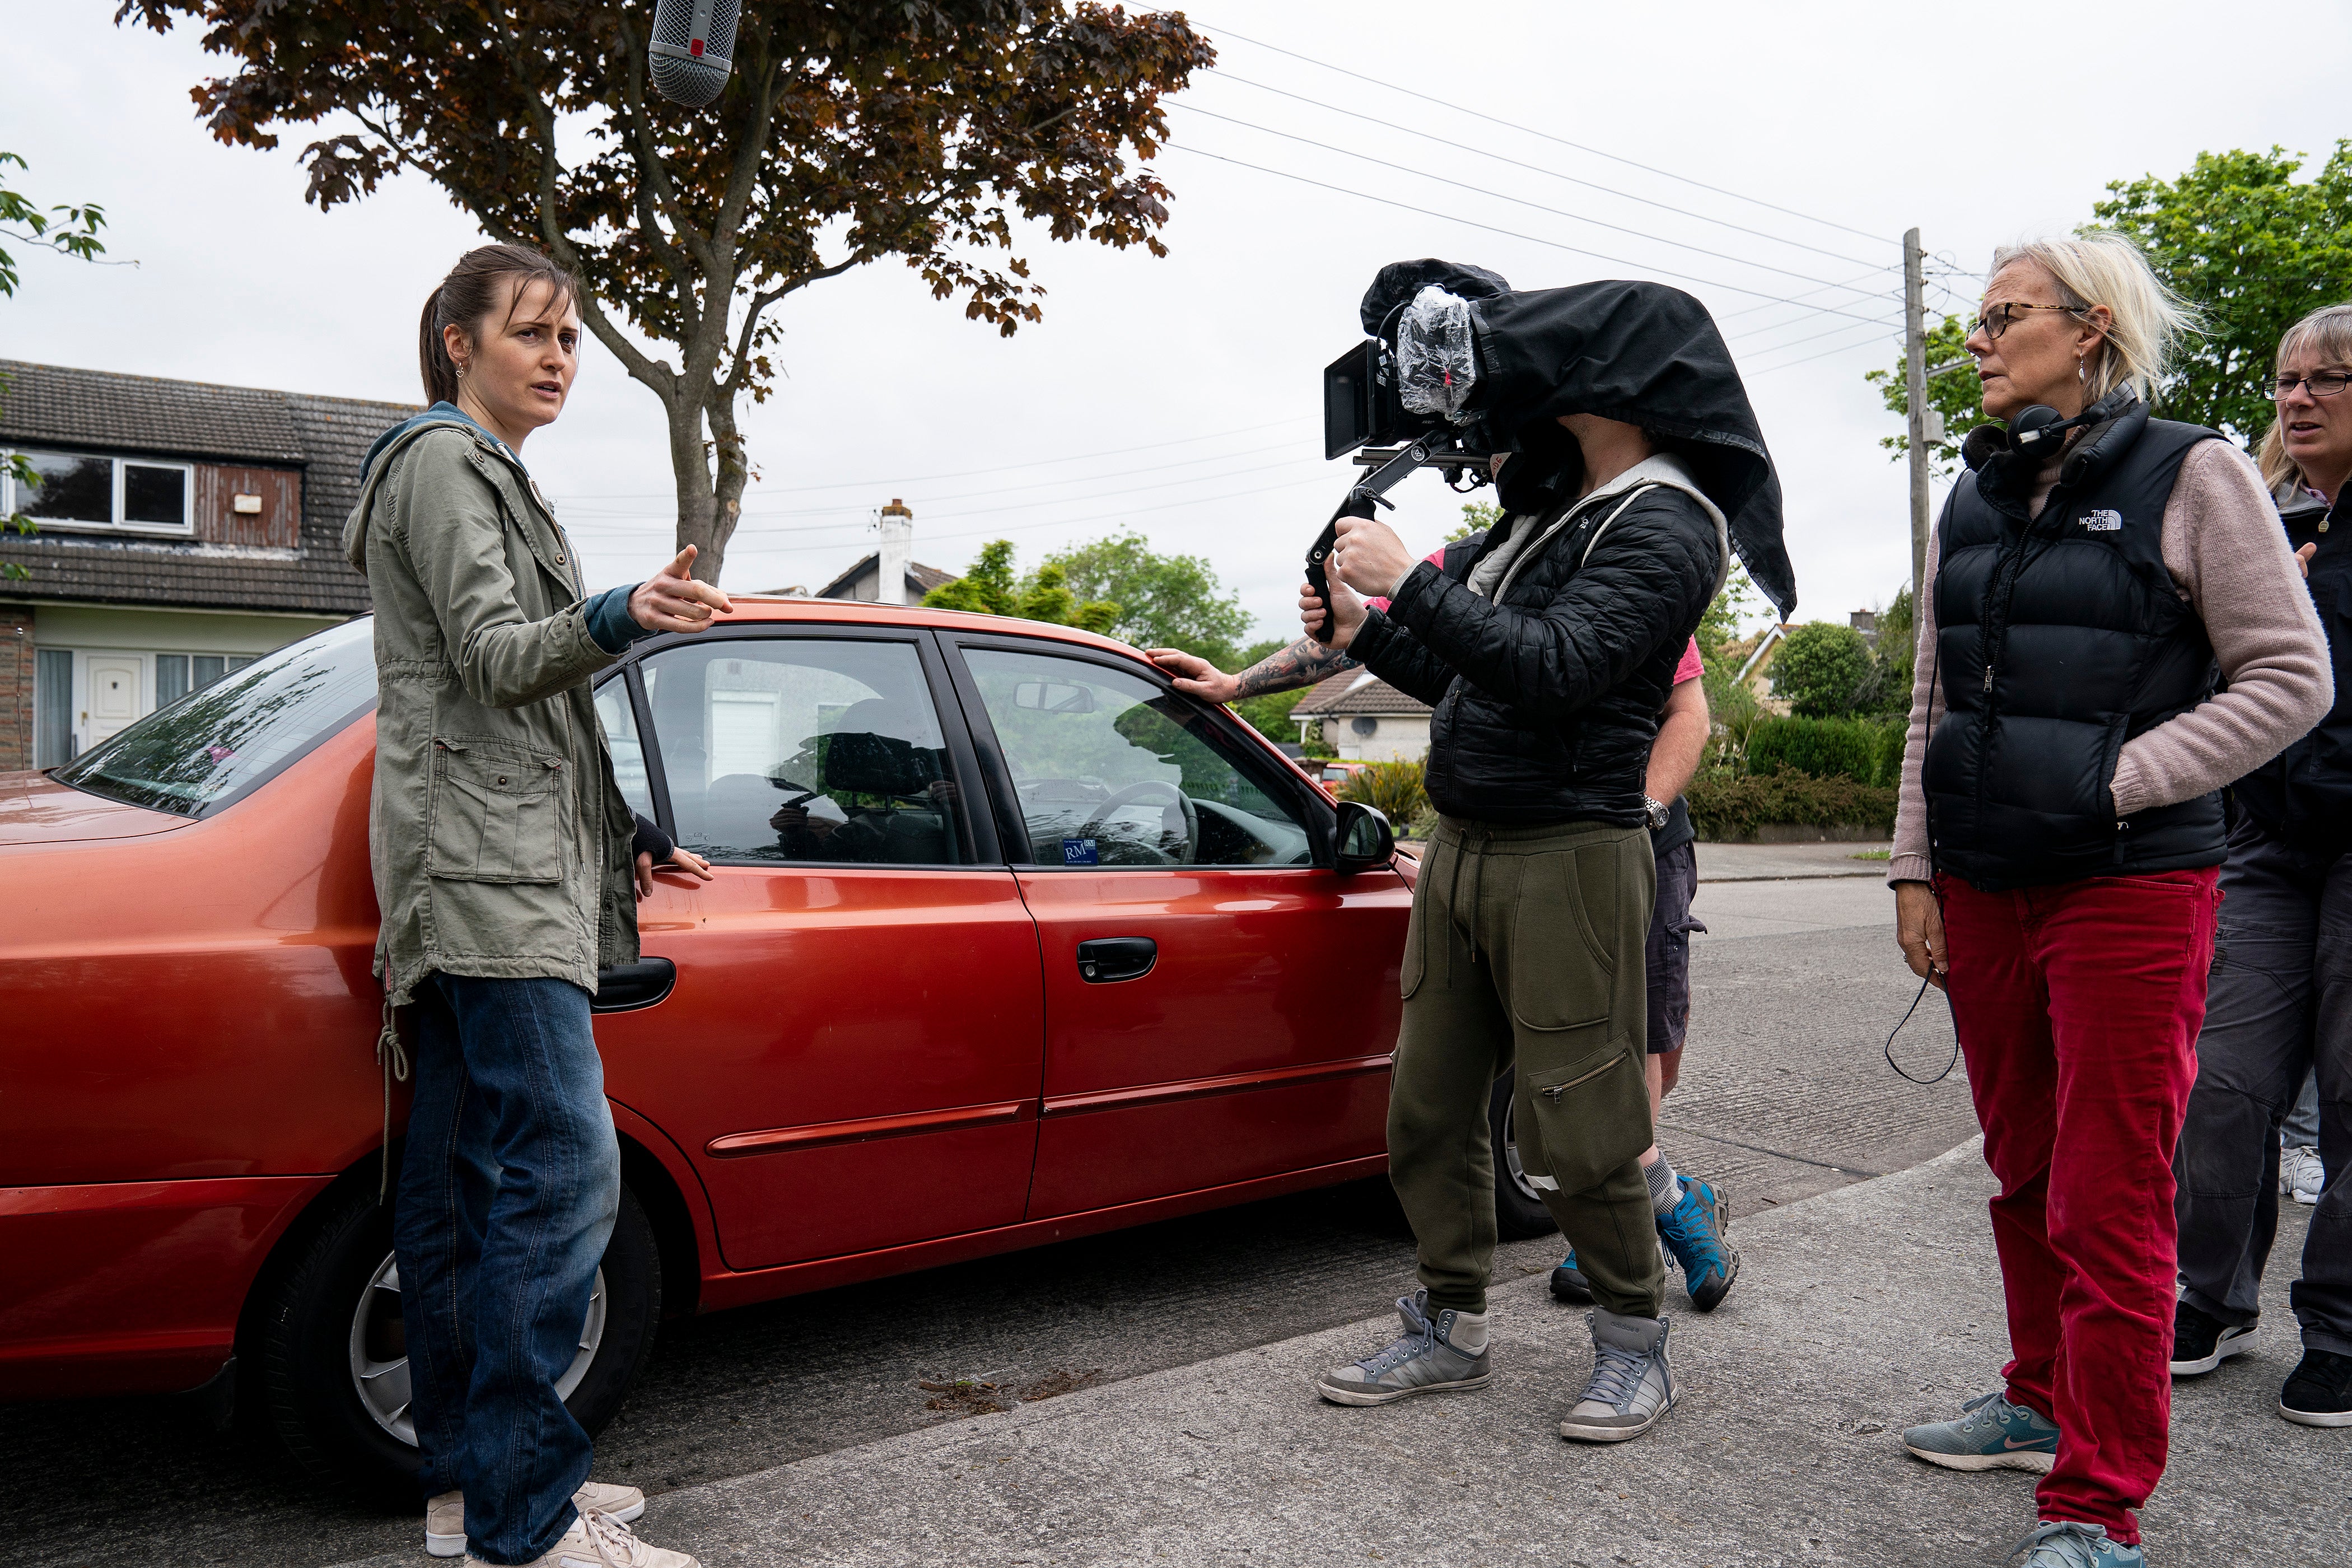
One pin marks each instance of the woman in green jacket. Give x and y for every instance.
(502, 852)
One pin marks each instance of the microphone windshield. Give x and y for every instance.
(693, 48)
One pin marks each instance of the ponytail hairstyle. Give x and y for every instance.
(468, 296)
(2102, 267)
(2328, 333)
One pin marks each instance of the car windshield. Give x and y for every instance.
(213, 748)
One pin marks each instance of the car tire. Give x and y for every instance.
(1519, 1213)
(325, 1309)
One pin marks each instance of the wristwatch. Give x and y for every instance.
(1656, 811)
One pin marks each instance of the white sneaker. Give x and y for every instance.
(445, 1515)
(600, 1541)
(2300, 1175)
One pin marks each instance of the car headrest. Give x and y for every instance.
(868, 764)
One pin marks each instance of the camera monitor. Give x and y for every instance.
(1350, 384)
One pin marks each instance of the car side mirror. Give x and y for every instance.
(1365, 838)
(1054, 697)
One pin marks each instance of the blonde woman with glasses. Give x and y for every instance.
(2098, 577)
(2280, 1001)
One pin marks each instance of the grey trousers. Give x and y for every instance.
(2279, 1005)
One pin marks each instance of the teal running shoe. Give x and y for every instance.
(1568, 1281)
(1994, 1435)
(2070, 1544)
(1693, 1231)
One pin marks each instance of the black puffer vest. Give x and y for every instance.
(2304, 794)
(2059, 639)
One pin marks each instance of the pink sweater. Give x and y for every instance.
(2227, 556)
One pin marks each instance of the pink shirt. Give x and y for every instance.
(1690, 668)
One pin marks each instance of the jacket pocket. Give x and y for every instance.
(495, 812)
(1591, 1114)
(1562, 973)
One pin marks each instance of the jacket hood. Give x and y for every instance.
(1646, 354)
(355, 525)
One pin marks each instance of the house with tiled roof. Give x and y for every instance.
(1365, 719)
(185, 529)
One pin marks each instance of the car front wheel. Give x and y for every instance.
(1519, 1211)
(333, 1357)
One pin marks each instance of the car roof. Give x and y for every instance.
(773, 609)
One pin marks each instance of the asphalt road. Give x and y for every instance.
(1785, 1094)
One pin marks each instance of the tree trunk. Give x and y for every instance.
(734, 473)
(699, 510)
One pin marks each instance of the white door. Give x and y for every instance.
(114, 695)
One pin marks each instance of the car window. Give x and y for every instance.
(620, 720)
(1112, 771)
(790, 750)
(213, 748)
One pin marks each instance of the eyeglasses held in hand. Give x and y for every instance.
(2322, 382)
(2002, 317)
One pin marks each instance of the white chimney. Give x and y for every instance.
(897, 552)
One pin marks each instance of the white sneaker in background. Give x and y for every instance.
(600, 1541)
(445, 1515)
(2300, 1175)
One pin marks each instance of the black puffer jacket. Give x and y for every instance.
(1547, 702)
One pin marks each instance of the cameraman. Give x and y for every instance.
(1692, 1214)
(1548, 654)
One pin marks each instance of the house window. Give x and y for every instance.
(177, 674)
(84, 490)
(53, 672)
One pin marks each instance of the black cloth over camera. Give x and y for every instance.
(1394, 286)
(1644, 353)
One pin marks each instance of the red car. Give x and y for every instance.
(1008, 944)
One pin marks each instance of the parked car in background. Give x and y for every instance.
(1008, 944)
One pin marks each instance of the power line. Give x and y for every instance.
(1006, 468)
(1791, 365)
(1546, 135)
(1511, 233)
(1222, 74)
(1517, 201)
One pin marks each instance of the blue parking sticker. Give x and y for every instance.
(1080, 852)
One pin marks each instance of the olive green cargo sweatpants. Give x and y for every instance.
(1525, 948)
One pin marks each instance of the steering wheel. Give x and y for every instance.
(1134, 792)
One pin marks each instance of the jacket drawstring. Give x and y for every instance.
(393, 1057)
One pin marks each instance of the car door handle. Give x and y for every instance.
(1108, 958)
(626, 987)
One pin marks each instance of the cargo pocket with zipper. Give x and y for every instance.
(1590, 1117)
(495, 813)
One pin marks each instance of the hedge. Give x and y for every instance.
(1868, 752)
(1728, 804)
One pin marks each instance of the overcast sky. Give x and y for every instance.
(1755, 153)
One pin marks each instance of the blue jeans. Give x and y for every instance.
(508, 1194)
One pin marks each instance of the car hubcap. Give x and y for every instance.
(1511, 1166)
(379, 1352)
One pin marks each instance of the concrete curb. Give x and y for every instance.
(1858, 1312)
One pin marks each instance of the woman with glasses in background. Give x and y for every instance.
(2096, 575)
(2281, 1000)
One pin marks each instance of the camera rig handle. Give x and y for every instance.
(1368, 494)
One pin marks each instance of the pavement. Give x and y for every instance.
(1856, 1313)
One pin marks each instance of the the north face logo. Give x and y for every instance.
(2103, 521)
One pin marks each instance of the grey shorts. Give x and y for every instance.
(1667, 954)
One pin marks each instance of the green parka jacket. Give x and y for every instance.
(499, 840)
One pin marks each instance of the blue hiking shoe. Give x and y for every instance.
(1994, 1435)
(2068, 1543)
(1693, 1231)
(1568, 1283)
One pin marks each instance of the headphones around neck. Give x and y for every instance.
(2039, 431)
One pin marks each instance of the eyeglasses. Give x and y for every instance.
(2322, 383)
(2002, 317)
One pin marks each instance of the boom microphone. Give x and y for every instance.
(693, 49)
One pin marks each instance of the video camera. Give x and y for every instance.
(1399, 401)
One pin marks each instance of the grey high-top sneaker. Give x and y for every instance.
(1632, 1385)
(1424, 1361)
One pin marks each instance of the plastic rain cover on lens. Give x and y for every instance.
(1437, 366)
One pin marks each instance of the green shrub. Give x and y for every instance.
(1728, 805)
(1820, 748)
(1821, 668)
(1393, 789)
(1892, 733)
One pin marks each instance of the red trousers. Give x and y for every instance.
(2077, 1007)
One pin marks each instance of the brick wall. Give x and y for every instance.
(15, 688)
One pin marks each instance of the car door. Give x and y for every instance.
(1220, 1004)
(851, 1053)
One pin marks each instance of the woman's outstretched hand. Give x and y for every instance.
(680, 859)
(672, 600)
(1919, 933)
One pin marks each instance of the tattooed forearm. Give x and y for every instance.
(1303, 663)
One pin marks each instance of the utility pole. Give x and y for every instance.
(1914, 377)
